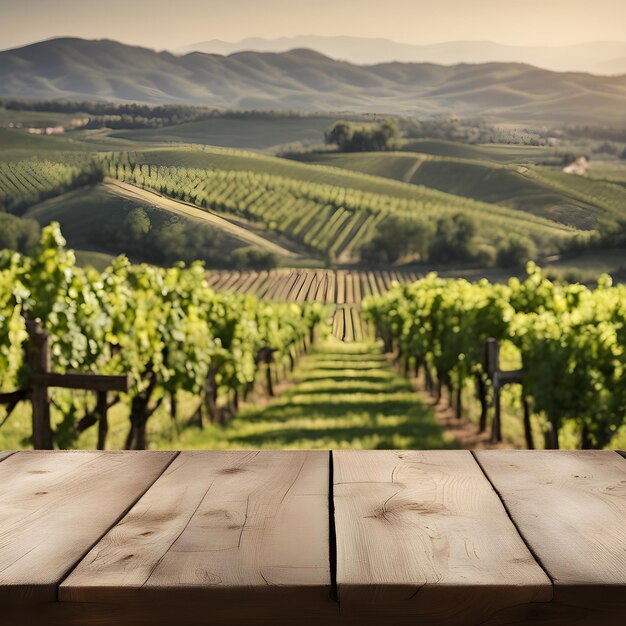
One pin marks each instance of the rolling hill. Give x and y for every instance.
(499, 153)
(597, 57)
(93, 221)
(268, 134)
(308, 81)
(328, 210)
(313, 210)
(576, 201)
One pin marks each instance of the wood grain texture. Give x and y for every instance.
(247, 532)
(5, 454)
(423, 535)
(56, 505)
(570, 508)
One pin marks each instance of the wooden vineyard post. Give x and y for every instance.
(528, 431)
(493, 367)
(103, 422)
(38, 360)
(492, 350)
(41, 378)
(499, 378)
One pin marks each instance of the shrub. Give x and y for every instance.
(455, 240)
(19, 234)
(395, 239)
(515, 251)
(349, 137)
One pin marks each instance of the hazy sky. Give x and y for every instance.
(174, 23)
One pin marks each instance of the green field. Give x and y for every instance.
(578, 201)
(611, 171)
(485, 152)
(267, 134)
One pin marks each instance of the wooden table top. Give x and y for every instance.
(297, 537)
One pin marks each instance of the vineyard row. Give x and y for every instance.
(343, 288)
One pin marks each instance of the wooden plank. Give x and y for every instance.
(93, 382)
(570, 508)
(38, 358)
(57, 505)
(423, 535)
(11, 397)
(214, 523)
(5, 454)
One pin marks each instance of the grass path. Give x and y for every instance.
(343, 396)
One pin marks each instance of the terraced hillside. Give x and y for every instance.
(342, 290)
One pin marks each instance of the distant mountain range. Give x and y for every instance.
(598, 57)
(308, 81)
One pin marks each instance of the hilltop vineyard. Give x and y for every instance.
(342, 290)
(24, 183)
(331, 219)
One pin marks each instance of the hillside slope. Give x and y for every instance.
(93, 218)
(331, 211)
(308, 81)
(576, 201)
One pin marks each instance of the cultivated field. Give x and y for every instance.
(342, 290)
(577, 201)
(319, 212)
(249, 133)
